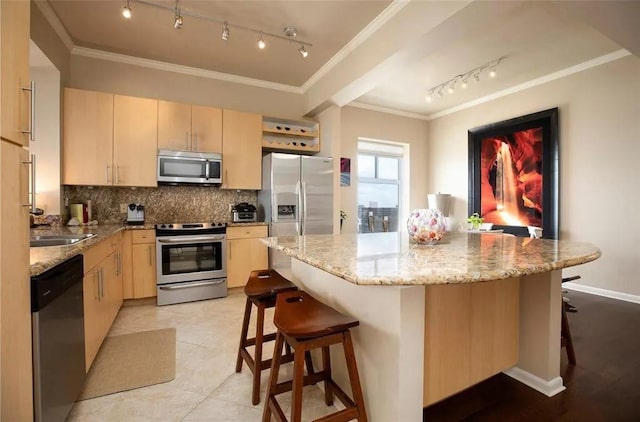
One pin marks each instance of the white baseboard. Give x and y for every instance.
(548, 388)
(601, 292)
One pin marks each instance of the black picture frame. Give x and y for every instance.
(545, 162)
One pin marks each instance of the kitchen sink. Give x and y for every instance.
(58, 239)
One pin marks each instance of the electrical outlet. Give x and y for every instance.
(123, 208)
(230, 207)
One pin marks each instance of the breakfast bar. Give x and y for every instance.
(436, 319)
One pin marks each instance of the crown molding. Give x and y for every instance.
(51, 17)
(535, 82)
(389, 12)
(387, 110)
(185, 70)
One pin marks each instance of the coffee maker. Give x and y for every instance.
(135, 214)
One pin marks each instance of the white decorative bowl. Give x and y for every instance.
(426, 226)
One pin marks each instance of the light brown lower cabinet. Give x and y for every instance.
(143, 261)
(16, 387)
(471, 333)
(103, 294)
(245, 253)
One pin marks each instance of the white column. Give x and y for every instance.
(389, 341)
(539, 351)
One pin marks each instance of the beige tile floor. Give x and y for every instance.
(206, 387)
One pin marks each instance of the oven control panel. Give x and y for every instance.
(175, 229)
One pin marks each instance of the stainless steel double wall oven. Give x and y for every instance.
(191, 261)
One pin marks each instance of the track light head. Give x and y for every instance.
(177, 23)
(493, 73)
(225, 31)
(126, 11)
(261, 43)
(303, 51)
(429, 96)
(451, 88)
(290, 32)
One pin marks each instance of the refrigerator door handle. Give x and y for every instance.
(298, 213)
(303, 198)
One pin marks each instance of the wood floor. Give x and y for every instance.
(603, 386)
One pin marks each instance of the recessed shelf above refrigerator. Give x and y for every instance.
(289, 135)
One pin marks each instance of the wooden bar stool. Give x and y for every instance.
(566, 340)
(261, 290)
(305, 324)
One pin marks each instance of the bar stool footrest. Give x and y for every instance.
(285, 387)
(252, 341)
(343, 415)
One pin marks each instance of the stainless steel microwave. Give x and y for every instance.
(177, 167)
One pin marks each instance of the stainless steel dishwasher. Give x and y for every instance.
(58, 340)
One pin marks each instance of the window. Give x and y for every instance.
(379, 186)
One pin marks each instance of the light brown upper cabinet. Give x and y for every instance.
(241, 150)
(109, 139)
(88, 138)
(135, 141)
(15, 95)
(186, 127)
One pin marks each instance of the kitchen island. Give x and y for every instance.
(437, 319)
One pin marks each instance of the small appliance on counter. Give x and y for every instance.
(135, 214)
(244, 213)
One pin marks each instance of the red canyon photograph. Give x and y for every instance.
(511, 178)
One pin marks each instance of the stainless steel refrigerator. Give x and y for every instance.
(296, 198)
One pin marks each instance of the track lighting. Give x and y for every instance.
(178, 13)
(126, 10)
(463, 79)
(225, 31)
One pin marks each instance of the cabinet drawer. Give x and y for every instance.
(246, 232)
(143, 236)
(97, 253)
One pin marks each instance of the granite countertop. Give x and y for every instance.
(390, 259)
(44, 258)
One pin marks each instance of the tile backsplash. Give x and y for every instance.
(164, 204)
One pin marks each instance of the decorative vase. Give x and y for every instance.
(426, 226)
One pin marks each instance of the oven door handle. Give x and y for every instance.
(188, 286)
(190, 240)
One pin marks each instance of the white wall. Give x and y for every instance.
(599, 162)
(330, 142)
(358, 123)
(46, 146)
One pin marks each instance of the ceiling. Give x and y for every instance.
(378, 54)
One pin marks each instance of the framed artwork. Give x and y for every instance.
(514, 172)
(345, 171)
